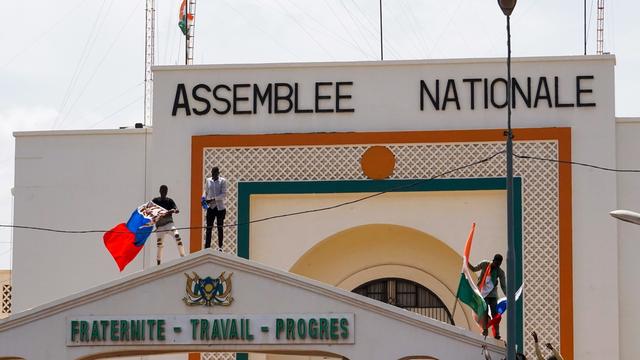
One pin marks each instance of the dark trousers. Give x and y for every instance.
(493, 305)
(218, 215)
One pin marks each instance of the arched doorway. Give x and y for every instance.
(408, 295)
(359, 255)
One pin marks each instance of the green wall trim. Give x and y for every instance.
(247, 189)
(517, 234)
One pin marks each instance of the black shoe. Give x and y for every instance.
(497, 337)
(158, 262)
(485, 332)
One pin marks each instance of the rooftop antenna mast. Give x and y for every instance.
(600, 41)
(149, 59)
(189, 34)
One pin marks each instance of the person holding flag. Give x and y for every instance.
(164, 225)
(468, 292)
(490, 275)
(125, 240)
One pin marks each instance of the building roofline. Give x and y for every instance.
(142, 131)
(568, 58)
(233, 262)
(627, 120)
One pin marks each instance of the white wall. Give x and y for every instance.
(94, 179)
(77, 181)
(386, 98)
(437, 213)
(445, 215)
(160, 291)
(628, 133)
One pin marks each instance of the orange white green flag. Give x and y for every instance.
(184, 18)
(468, 292)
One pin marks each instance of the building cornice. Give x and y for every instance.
(210, 257)
(386, 63)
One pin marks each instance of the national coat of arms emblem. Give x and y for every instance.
(208, 291)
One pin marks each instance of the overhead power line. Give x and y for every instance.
(367, 197)
(46, 32)
(351, 202)
(576, 163)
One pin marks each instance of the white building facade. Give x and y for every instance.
(291, 138)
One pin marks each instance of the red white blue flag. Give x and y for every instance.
(125, 241)
(501, 308)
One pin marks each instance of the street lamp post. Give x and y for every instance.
(507, 7)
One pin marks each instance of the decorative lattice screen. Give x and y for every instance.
(218, 356)
(419, 161)
(5, 297)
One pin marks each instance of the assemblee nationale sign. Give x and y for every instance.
(336, 97)
(211, 329)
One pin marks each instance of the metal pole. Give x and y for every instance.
(455, 305)
(585, 27)
(381, 44)
(511, 258)
(186, 33)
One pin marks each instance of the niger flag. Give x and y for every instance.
(468, 292)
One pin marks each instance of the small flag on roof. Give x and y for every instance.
(184, 21)
(125, 241)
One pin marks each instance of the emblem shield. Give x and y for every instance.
(208, 291)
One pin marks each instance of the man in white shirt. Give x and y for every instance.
(215, 193)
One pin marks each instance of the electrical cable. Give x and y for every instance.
(590, 20)
(342, 204)
(359, 27)
(393, 189)
(326, 29)
(169, 39)
(309, 34)
(346, 29)
(415, 26)
(262, 31)
(84, 117)
(112, 99)
(86, 51)
(444, 30)
(527, 157)
(373, 32)
(116, 112)
(325, 208)
(46, 32)
(102, 60)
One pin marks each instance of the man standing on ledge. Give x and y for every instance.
(165, 225)
(215, 192)
(488, 285)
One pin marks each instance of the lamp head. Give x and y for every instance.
(626, 215)
(507, 6)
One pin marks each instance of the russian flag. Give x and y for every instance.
(501, 308)
(125, 241)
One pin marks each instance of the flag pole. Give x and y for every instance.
(455, 305)
(186, 32)
(381, 34)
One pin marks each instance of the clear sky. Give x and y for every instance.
(79, 64)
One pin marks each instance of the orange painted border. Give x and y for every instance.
(562, 135)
